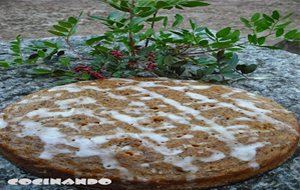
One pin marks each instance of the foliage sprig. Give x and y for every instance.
(133, 45)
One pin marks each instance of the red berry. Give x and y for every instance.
(151, 57)
(117, 54)
(82, 68)
(96, 75)
(151, 66)
(131, 64)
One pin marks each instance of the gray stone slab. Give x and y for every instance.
(278, 78)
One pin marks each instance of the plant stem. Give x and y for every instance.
(152, 27)
(130, 35)
(72, 48)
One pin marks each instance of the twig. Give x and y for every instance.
(72, 49)
(152, 26)
(130, 35)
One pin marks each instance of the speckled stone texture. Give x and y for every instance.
(278, 78)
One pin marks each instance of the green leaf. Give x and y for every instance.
(65, 61)
(51, 45)
(261, 40)
(138, 28)
(234, 59)
(57, 33)
(246, 22)
(147, 13)
(235, 36)
(118, 74)
(223, 32)
(161, 4)
(147, 34)
(221, 45)
(119, 7)
(262, 25)
(41, 71)
(255, 17)
(283, 25)
(203, 43)
(252, 39)
(60, 29)
(291, 34)
(209, 32)
(33, 56)
(193, 24)
(72, 20)
(234, 49)
(230, 64)
(102, 49)
(85, 76)
(287, 16)
(147, 50)
(165, 22)
(178, 20)
(276, 15)
(4, 64)
(194, 4)
(168, 60)
(279, 32)
(15, 49)
(156, 19)
(41, 53)
(65, 24)
(136, 21)
(91, 41)
(18, 61)
(268, 18)
(246, 69)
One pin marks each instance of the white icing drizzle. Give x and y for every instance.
(247, 152)
(70, 125)
(148, 135)
(69, 88)
(174, 117)
(138, 104)
(114, 96)
(186, 163)
(188, 136)
(200, 97)
(45, 113)
(36, 98)
(215, 156)
(250, 105)
(48, 135)
(63, 104)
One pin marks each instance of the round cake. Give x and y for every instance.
(148, 133)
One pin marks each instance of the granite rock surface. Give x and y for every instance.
(278, 78)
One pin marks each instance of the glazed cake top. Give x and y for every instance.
(138, 128)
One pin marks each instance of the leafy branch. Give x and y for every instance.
(133, 46)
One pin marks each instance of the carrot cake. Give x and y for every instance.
(148, 133)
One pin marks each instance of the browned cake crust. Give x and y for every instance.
(148, 133)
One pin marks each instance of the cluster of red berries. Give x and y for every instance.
(89, 70)
(83, 68)
(131, 64)
(117, 54)
(96, 75)
(151, 66)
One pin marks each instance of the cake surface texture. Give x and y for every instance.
(148, 133)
